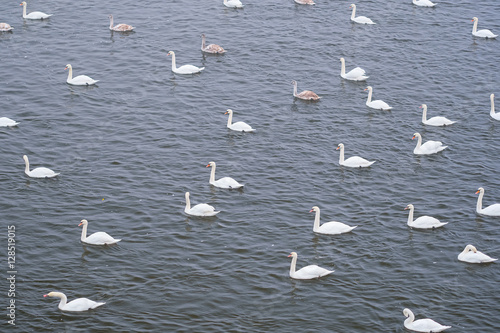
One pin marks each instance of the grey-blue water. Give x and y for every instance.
(128, 148)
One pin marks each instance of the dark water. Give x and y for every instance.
(129, 148)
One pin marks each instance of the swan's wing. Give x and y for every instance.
(214, 48)
(426, 222)
(333, 228)
(432, 146)
(427, 325)
(81, 304)
(227, 182)
(42, 173)
(189, 69)
(493, 210)
(100, 238)
(356, 162)
(311, 272)
(242, 127)
(203, 210)
(307, 94)
(439, 121)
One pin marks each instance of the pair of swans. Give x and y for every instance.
(422, 325)
(307, 272)
(97, 238)
(33, 15)
(225, 182)
(238, 126)
(484, 33)
(434, 121)
(80, 80)
(233, 3)
(5, 27)
(429, 147)
(492, 210)
(76, 305)
(493, 115)
(471, 255)
(185, 69)
(423, 222)
(199, 209)
(376, 104)
(38, 172)
(305, 2)
(329, 228)
(356, 74)
(353, 161)
(7, 122)
(119, 27)
(359, 19)
(423, 3)
(211, 48)
(307, 95)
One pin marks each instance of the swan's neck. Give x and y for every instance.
(342, 70)
(410, 216)
(24, 10)
(410, 319)
(419, 141)
(174, 67)
(188, 203)
(341, 157)
(295, 89)
(111, 22)
(424, 113)
(70, 73)
(353, 15)
(230, 119)
(82, 238)
(202, 42)
(479, 204)
(492, 112)
(292, 265)
(212, 175)
(370, 91)
(316, 221)
(474, 27)
(27, 167)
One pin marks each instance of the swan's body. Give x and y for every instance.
(471, 255)
(119, 27)
(308, 272)
(422, 325)
(211, 48)
(434, 121)
(185, 69)
(306, 94)
(356, 74)
(376, 104)
(97, 238)
(38, 172)
(7, 122)
(353, 161)
(429, 147)
(80, 80)
(329, 228)
(423, 222)
(5, 27)
(200, 209)
(233, 3)
(484, 33)
(423, 3)
(359, 19)
(79, 304)
(493, 115)
(33, 15)
(492, 210)
(305, 2)
(237, 126)
(225, 182)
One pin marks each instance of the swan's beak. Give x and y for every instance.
(45, 295)
(80, 224)
(289, 255)
(337, 148)
(226, 112)
(312, 210)
(406, 208)
(478, 192)
(207, 165)
(366, 89)
(413, 137)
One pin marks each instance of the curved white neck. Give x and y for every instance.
(292, 265)
(370, 91)
(24, 10)
(410, 319)
(341, 157)
(230, 119)
(202, 42)
(84, 234)
(410, 216)
(474, 27)
(492, 111)
(70, 73)
(111, 22)
(479, 204)
(188, 203)
(316, 221)
(424, 113)
(342, 70)
(212, 174)
(295, 89)
(419, 141)
(27, 167)
(174, 67)
(353, 12)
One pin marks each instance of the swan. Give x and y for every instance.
(359, 19)
(200, 209)
(225, 182)
(80, 80)
(376, 104)
(38, 172)
(119, 27)
(434, 121)
(233, 3)
(353, 161)
(493, 115)
(429, 147)
(492, 210)
(329, 228)
(79, 304)
(5, 27)
(356, 74)
(211, 48)
(308, 272)
(306, 94)
(4, 122)
(97, 238)
(485, 33)
(421, 325)
(423, 222)
(237, 126)
(33, 15)
(423, 3)
(471, 255)
(185, 69)
(305, 2)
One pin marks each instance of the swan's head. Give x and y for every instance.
(210, 164)
(423, 106)
(416, 135)
(84, 222)
(369, 88)
(22, 3)
(170, 53)
(409, 206)
(110, 16)
(53, 294)
(314, 209)
(25, 158)
(186, 195)
(492, 96)
(68, 66)
(470, 247)
(480, 190)
(203, 35)
(474, 19)
(407, 312)
(229, 111)
(352, 5)
(292, 254)
(340, 146)
(294, 82)
(342, 60)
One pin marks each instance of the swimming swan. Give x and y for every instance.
(307, 272)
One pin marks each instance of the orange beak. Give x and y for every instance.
(80, 224)
(45, 295)
(289, 255)
(312, 210)
(478, 192)
(337, 148)
(207, 165)
(413, 137)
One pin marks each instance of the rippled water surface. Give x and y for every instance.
(128, 148)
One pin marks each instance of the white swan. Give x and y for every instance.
(80, 80)
(305, 95)
(5, 27)
(493, 115)
(353, 161)
(429, 147)
(423, 222)
(119, 27)
(237, 126)
(185, 69)
(38, 172)
(7, 122)
(359, 19)
(356, 74)
(434, 121)
(308, 272)
(233, 3)
(97, 238)
(485, 33)
(200, 209)
(79, 304)
(492, 210)
(211, 48)
(471, 255)
(305, 2)
(423, 3)
(329, 228)
(225, 182)
(376, 104)
(421, 325)
(33, 15)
